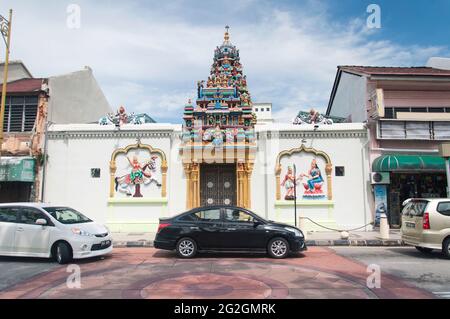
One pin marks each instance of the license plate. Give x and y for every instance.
(105, 243)
(410, 225)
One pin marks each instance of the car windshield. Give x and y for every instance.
(67, 215)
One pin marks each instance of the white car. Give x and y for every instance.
(41, 230)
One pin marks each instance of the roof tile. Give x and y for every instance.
(24, 86)
(374, 70)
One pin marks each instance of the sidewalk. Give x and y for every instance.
(312, 239)
(360, 238)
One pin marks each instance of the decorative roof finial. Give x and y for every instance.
(227, 34)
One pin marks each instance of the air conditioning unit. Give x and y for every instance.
(380, 178)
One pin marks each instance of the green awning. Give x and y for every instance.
(17, 169)
(389, 163)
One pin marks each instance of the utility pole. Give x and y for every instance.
(5, 29)
(444, 151)
(295, 194)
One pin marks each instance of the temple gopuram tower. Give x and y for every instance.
(218, 138)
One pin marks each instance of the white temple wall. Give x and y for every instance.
(76, 149)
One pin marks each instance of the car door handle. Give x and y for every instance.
(231, 228)
(20, 229)
(194, 228)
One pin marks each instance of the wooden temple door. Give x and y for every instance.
(218, 184)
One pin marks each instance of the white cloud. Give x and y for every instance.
(148, 56)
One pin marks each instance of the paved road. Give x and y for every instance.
(16, 270)
(149, 273)
(427, 271)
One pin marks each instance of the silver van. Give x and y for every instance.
(426, 224)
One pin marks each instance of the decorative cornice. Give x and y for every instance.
(177, 135)
(332, 134)
(109, 135)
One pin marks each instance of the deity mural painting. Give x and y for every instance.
(310, 177)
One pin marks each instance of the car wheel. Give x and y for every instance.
(63, 253)
(186, 248)
(446, 248)
(424, 250)
(278, 248)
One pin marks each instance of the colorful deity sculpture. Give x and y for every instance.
(245, 98)
(229, 135)
(217, 137)
(121, 117)
(224, 103)
(312, 117)
(314, 182)
(140, 174)
(289, 183)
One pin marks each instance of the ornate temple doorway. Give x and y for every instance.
(218, 184)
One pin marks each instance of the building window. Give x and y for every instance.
(391, 112)
(268, 109)
(340, 171)
(413, 130)
(95, 172)
(436, 110)
(256, 110)
(20, 113)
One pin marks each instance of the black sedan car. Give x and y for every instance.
(225, 228)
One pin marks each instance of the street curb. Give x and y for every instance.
(357, 242)
(309, 243)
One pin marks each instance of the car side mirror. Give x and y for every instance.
(41, 222)
(256, 223)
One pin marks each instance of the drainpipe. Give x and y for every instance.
(447, 170)
(44, 168)
(365, 174)
(266, 181)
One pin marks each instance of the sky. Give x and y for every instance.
(149, 55)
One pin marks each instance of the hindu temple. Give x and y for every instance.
(132, 171)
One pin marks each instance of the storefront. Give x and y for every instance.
(410, 176)
(16, 179)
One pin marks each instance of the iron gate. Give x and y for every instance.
(218, 184)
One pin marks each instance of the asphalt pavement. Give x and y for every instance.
(320, 272)
(15, 270)
(427, 271)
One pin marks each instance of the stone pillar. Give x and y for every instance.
(112, 172)
(192, 172)
(277, 181)
(240, 184)
(195, 178)
(384, 226)
(187, 173)
(248, 188)
(329, 171)
(164, 179)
